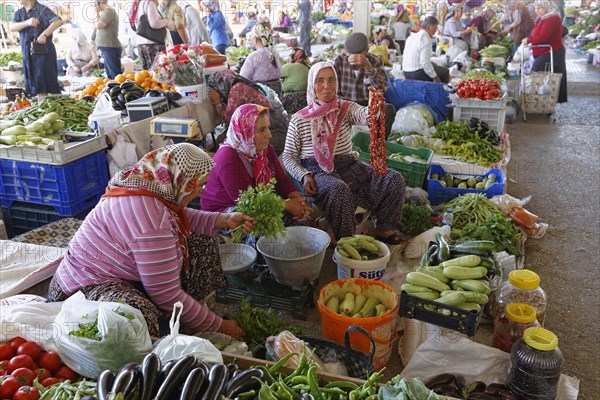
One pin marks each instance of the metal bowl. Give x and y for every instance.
(236, 257)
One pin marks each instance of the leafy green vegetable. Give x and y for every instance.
(5, 58)
(235, 53)
(260, 323)
(90, 329)
(480, 73)
(497, 228)
(466, 145)
(263, 203)
(400, 388)
(416, 219)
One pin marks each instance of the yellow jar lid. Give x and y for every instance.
(524, 279)
(540, 339)
(520, 312)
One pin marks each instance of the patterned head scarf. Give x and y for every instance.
(265, 35)
(240, 136)
(297, 55)
(488, 15)
(223, 81)
(170, 172)
(326, 118)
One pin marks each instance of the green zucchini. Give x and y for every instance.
(408, 288)
(333, 304)
(6, 123)
(474, 285)
(16, 130)
(463, 261)
(437, 273)
(348, 304)
(471, 297)
(469, 306)
(359, 302)
(443, 248)
(465, 272)
(426, 296)
(452, 299)
(421, 279)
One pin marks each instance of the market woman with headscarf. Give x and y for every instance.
(483, 24)
(82, 56)
(217, 26)
(454, 28)
(36, 23)
(521, 22)
(548, 31)
(143, 246)
(263, 64)
(228, 90)
(246, 159)
(318, 153)
(294, 77)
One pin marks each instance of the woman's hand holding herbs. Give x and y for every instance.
(235, 220)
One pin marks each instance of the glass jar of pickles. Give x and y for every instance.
(535, 365)
(511, 325)
(522, 286)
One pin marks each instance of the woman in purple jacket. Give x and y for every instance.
(246, 159)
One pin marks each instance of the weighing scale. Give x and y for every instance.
(185, 128)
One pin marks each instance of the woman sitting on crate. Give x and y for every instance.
(294, 76)
(82, 57)
(318, 153)
(263, 65)
(228, 90)
(548, 31)
(141, 245)
(246, 159)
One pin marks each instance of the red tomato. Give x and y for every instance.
(8, 386)
(66, 373)
(16, 342)
(3, 367)
(50, 360)
(25, 376)
(42, 373)
(22, 361)
(50, 381)
(31, 349)
(6, 352)
(26, 393)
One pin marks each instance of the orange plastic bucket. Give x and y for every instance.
(382, 328)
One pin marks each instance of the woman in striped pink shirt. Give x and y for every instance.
(141, 245)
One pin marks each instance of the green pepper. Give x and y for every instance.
(313, 382)
(277, 366)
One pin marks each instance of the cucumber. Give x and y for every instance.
(421, 279)
(365, 237)
(469, 306)
(365, 244)
(474, 285)
(333, 304)
(352, 251)
(465, 272)
(370, 304)
(16, 130)
(348, 304)
(452, 299)
(359, 302)
(464, 261)
(436, 273)
(470, 297)
(380, 308)
(408, 288)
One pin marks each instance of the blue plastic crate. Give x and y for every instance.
(23, 217)
(68, 188)
(439, 194)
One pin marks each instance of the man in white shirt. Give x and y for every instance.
(416, 61)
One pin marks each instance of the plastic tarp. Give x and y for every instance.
(401, 93)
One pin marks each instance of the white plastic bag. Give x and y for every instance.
(122, 329)
(121, 156)
(175, 346)
(410, 120)
(31, 321)
(418, 245)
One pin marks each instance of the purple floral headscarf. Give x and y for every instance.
(240, 136)
(170, 172)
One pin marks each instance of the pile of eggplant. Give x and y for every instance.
(122, 93)
(483, 130)
(186, 378)
(454, 386)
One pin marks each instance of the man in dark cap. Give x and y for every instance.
(357, 69)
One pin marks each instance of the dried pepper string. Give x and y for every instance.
(377, 133)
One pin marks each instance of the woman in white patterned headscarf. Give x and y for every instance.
(142, 245)
(82, 57)
(263, 65)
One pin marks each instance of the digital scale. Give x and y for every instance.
(186, 128)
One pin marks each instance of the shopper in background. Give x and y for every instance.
(357, 70)
(194, 26)
(217, 26)
(548, 31)
(167, 253)
(304, 9)
(454, 28)
(483, 24)
(252, 21)
(318, 154)
(82, 57)
(294, 77)
(147, 49)
(416, 61)
(263, 64)
(521, 22)
(246, 159)
(36, 23)
(107, 38)
(284, 24)
(401, 29)
(381, 37)
(175, 21)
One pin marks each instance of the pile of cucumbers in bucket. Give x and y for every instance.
(356, 306)
(454, 275)
(359, 247)
(474, 182)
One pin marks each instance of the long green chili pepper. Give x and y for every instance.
(277, 366)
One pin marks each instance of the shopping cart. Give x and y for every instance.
(534, 100)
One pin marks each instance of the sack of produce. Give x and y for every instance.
(175, 345)
(94, 336)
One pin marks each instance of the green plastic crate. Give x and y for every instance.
(414, 173)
